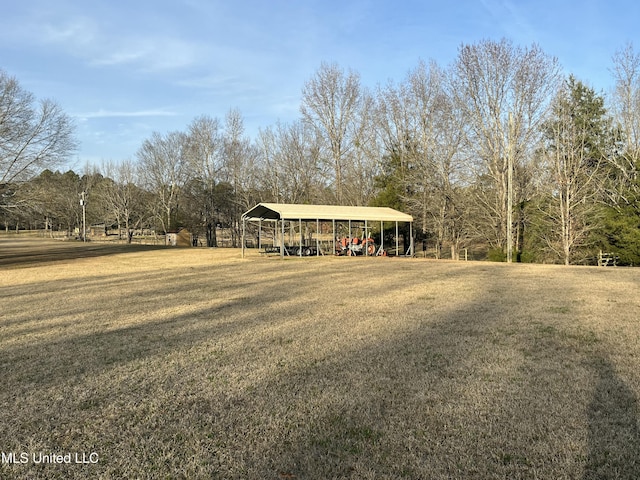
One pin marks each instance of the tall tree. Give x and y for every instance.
(121, 197)
(622, 216)
(53, 198)
(206, 158)
(33, 135)
(436, 163)
(578, 141)
(422, 133)
(239, 170)
(626, 109)
(394, 122)
(291, 163)
(330, 103)
(503, 92)
(361, 169)
(163, 170)
(626, 100)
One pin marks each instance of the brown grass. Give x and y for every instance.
(194, 363)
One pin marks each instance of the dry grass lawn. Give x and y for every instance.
(195, 363)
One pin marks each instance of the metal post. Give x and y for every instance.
(282, 241)
(366, 248)
(382, 236)
(411, 238)
(510, 192)
(397, 243)
(300, 227)
(243, 233)
(84, 216)
(334, 235)
(317, 237)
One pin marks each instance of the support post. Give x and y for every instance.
(411, 247)
(83, 203)
(244, 222)
(282, 241)
(300, 236)
(397, 242)
(366, 235)
(510, 192)
(334, 235)
(317, 237)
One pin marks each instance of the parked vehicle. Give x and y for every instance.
(356, 246)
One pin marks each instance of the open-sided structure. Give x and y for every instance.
(282, 213)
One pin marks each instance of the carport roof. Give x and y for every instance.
(289, 211)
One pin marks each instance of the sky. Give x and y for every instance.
(125, 69)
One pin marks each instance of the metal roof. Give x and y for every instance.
(289, 211)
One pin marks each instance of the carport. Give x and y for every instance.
(281, 213)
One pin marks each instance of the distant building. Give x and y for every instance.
(98, 230)
(179, 238)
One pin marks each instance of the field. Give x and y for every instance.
(143, 362)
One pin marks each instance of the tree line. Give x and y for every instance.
(499, 151)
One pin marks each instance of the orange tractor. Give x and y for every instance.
(355, 246)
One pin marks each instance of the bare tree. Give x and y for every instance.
(504, 93)
(330, 104)
(362, 166)
(423, 132)
(290, 155)
(239, 169)
(626, 108)
(121, 196)
(271, 179)
(205, 153)
(436, 163)
(575, 151)
(163, 171)
(626, 103)
(33, 135)
(52, 198)
(394, 122)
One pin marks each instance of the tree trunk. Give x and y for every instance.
(212, 240)
(129, 231)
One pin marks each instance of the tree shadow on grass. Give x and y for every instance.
(614, 435)
(427, 398)
(32, 252)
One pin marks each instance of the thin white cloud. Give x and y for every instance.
(78, 31)
(149, 53)
(98, 44)
(118, 58)
(135, 113)
(222, 84)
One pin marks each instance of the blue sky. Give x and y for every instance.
(124, 69)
